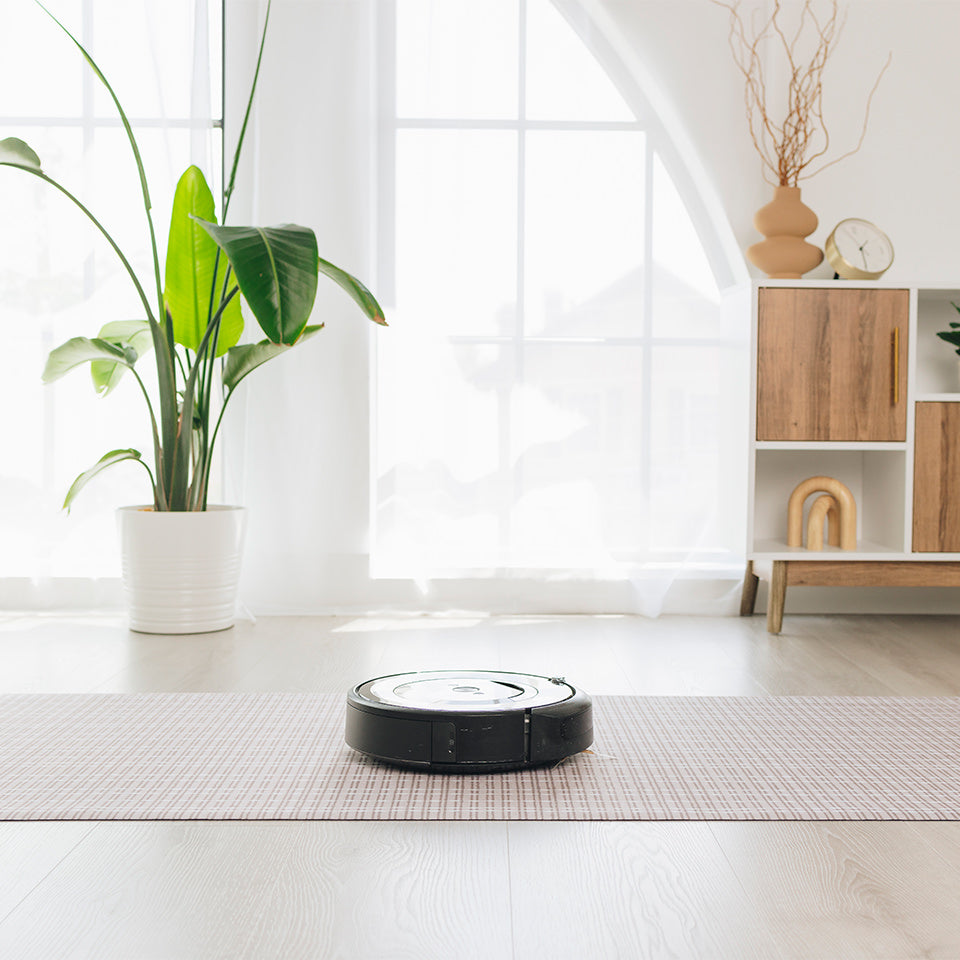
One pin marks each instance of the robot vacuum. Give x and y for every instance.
(468, 721)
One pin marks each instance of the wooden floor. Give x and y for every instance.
(491, 890)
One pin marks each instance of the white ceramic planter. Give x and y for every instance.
(180, 570)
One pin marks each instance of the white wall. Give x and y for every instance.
(309, 161)
(904, 178)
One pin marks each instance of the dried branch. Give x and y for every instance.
(787, 148)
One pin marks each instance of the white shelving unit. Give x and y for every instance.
(879, 474)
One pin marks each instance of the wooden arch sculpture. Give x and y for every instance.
(824, 508)
(839, 500)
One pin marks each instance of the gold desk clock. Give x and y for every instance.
(857, 250)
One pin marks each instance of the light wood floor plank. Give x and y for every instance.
(358, 891)
(847, 891)
(151, 891)
(632, 890)
(29, 852)
(809, 666)
(370, 891)
(686, 656)
(60, 654)
(919, 656)
(941, 840)
(271, 655)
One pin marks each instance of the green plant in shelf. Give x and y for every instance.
(192, 319)
(952, 336)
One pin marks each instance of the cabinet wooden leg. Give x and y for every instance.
(777, 597)
(748, 598)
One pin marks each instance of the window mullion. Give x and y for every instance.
(513, 467)
(87, 115)
(646, 357)
(221, 121)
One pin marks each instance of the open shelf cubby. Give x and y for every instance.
(937, 363)
(876, 479)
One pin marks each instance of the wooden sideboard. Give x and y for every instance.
(850, 382)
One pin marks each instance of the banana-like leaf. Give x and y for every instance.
(16, 153)
(107, 374)
(85, 350)
(107, 460)
(276, 269)
(247, 357)
(358, 292)
(191, 261)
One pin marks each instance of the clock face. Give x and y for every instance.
(863, 246)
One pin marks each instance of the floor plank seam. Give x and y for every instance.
(50, 872)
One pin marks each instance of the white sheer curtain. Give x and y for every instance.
(554, 418)
(59, 279)
(564, 396)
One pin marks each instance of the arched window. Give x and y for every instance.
(564, 389)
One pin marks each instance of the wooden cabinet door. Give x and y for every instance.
(832, 364)
(936, 478)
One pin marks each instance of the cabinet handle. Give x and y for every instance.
(896, 365)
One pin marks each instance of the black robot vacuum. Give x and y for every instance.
(468, 721)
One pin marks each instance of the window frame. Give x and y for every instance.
(725, 262)
(41, 587)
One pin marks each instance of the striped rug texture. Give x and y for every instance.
(275, 756)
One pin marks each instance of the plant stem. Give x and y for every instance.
(157, 454)
(228, 190)
(185, 428)
(179, 359)
(153, 484)
(198, 489)
(213, 440)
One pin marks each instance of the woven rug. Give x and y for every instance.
(209, 756)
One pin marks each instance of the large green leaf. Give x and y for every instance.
(276, 269)
(107, 460)
(84, 350)
(107, 374)
(360, 294)
(15, 153)
(192, 259)
(247, 357)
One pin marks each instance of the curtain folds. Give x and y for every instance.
(552, 422)
(564, 397)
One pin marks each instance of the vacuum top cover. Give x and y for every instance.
(466, 690)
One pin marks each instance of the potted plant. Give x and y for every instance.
(181, 555)
(952, 336)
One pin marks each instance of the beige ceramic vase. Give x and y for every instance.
(785, 221)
